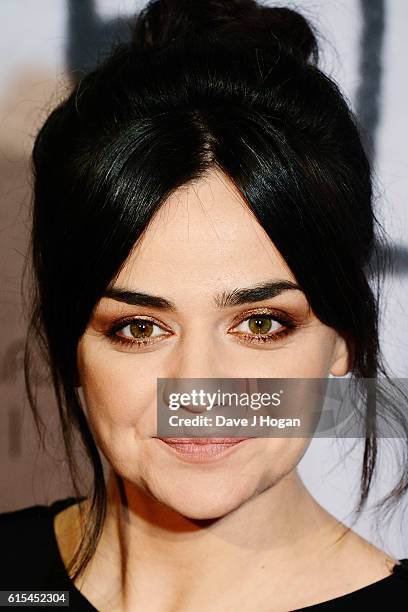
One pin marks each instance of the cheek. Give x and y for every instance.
(307, 354)
(283, 455)
(310, 356)
(118, 400)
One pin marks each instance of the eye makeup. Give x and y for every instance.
(113, 335)
(264, 314)
(259, 315)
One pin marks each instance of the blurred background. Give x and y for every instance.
(45, 47)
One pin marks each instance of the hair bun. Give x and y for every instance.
(164, 21)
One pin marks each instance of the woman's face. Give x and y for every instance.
(204, 243)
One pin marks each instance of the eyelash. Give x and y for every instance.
(289, 324)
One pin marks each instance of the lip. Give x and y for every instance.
(201, 450)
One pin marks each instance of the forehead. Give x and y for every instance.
(204, 233)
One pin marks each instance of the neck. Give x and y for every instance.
(147, 543)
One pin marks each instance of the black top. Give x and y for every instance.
(31, 561)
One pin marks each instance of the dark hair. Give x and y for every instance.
(212, 84)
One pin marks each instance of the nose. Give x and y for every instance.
(198, 355)
(196, 364)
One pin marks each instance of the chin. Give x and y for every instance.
(200, 500)
(205, 509)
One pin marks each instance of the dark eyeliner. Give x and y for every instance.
(289, 326)
(113, 337)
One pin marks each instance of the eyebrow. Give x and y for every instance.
(224, 299)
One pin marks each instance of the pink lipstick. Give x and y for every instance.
(202, 450)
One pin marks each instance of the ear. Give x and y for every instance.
(342, 356)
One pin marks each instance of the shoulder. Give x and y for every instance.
(388, 593)
(400, 572)
(28, 545)
(374, 577)
(357, 575)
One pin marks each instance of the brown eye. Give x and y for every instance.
(137, 333)
(141, 329)
(260, 325)
(263, 328)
